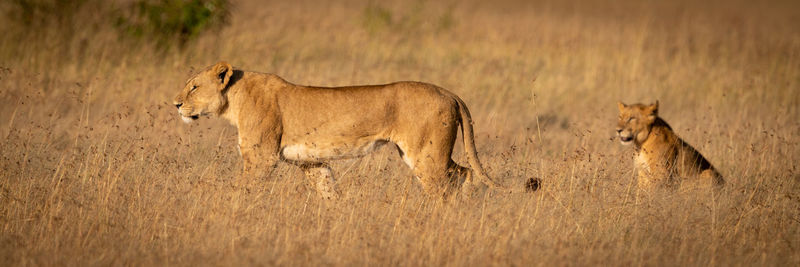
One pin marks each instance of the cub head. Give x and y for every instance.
(204, 93)
(635, 122)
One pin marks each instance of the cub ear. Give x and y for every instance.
(652, 110)
(223, 72)
(621, 106)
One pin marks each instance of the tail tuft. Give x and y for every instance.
(532, 184)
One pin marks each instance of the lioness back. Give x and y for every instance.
(361, 110)
(662, 158)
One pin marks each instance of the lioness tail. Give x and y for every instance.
(469, 146)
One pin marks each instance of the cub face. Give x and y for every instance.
(635, 122)
(203, 94)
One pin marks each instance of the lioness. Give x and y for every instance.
(308, 126)
(662, 158)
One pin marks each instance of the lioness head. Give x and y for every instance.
(204, 93)
(635, 122)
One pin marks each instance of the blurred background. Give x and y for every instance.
(97, 169)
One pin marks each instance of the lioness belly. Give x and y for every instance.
(315, 152)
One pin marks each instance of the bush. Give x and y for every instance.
(376, 18)
(170, 22)
(417, 18)
(41, 13)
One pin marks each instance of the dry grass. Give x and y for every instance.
(96, 169)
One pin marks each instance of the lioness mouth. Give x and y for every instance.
(626, 138)
(194, 117)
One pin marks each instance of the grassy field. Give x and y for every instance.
(96, 168)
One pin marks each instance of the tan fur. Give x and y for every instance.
(309, 126)
(662, 158)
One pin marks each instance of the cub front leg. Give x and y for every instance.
(655, 168)
(654, 175)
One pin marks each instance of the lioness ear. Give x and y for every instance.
(621, 106)
(223, 72)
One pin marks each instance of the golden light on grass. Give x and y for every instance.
(97, 169)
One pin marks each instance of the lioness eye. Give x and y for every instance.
(194, 87)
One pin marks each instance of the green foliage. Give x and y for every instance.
(170, 22)
(416, 19)
(446, 21)
(376, 18)
(38, 13)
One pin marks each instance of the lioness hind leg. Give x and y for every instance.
(437, 173)
(435, 177)
(462, 178)
(442, 179)
(457, 175)
(427, 151)
(322, 177)
(421, 170)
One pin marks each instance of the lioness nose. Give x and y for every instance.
(178, 105)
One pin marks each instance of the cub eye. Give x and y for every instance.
(631, 119)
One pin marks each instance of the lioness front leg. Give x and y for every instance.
(322, 177)
(259, 151)
(256, 164)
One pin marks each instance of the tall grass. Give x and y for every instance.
(96, 169)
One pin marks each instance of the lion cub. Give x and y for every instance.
(662, 158)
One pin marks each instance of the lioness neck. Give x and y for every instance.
(248, 95)
(231, 111)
